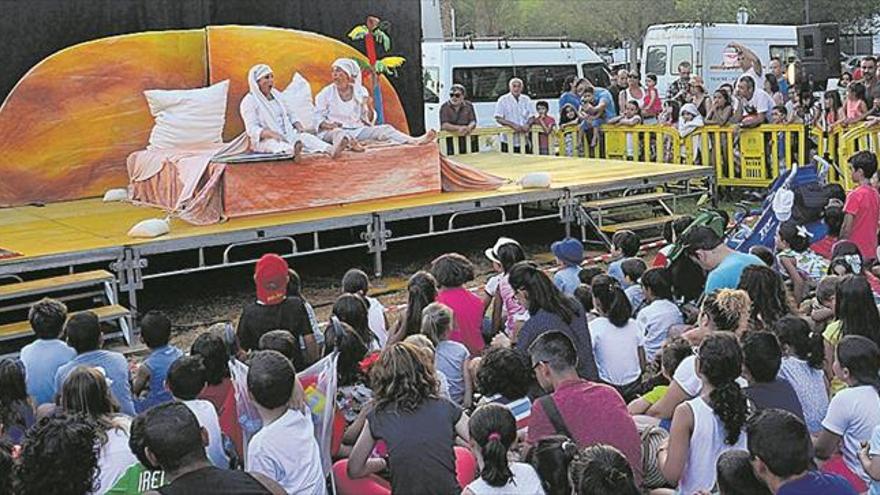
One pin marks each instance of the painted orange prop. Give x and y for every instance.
(68, 126)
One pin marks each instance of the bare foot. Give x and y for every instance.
(338, 147)
(429, 137)
(356, 146)
(297, 151)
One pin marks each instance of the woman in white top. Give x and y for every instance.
(270, 126)
(344, 110)
(705, 427)
(632, 92)
(492, 432)
(85, 391)
(618, 341)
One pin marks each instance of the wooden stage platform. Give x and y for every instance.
(76, 235)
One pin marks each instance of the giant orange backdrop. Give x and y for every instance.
(69, 124)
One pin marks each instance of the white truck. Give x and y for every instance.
(705, 47)
(485, 67)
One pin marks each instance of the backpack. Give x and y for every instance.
(809, 202)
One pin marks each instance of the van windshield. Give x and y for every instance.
(487, 84)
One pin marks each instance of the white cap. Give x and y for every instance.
(492, 253)
(783, 201)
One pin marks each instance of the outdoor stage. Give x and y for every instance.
(84, 234)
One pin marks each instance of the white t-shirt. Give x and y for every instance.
(330, 107)
(616, 350)
(853, 414)
(759, 80)
(516, 110)
(687, 378)
(115, 456)
(762, 101)
(287, 452)
(525, 481)
(206, 414)
(655, 319)
(376, 320)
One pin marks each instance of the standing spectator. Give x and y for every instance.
(721, 110)
(16, 410)
(632, 92)
(778, 70)
(833, 111)
(572, 89)
(774, 89)
(357, 282)
(802, 362)
(619, 84)
(618, 341)
(421, 291)
(285, 449)
(219, 390)
(452, 271)
(762, 359)
(85, 392)
(547, 124)
(869, 79)
(779, 445)
(84, 334)
(457, 116)
(569, 254)
(653, 105)
(172, 441)
(724, 265)
(150, 375)
(43, 357)
(678, 89)
(698, 96)
(661, 313)
(754, 103)
(862, 207)
(855, 108)
(549, 309)
(589, 413)
(451, 358)
(273, 310)
(514, 110)
(186, 379)
(597, 108)
(59, 457)
(749, 63)
(710, 424)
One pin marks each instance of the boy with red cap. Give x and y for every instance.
(274, 310)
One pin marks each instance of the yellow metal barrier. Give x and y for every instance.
(850, 142)
(643, 143)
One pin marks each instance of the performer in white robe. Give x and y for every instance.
(344, 110)
(270, 126)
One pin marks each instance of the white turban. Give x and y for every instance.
(267, 119)
(352, 68)
(685, 128)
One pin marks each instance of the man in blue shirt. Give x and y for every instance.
(43, 357)
(724, 265)
(84, 335)
(781, 451)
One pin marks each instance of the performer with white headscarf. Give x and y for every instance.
(344, 110)
(270, 125)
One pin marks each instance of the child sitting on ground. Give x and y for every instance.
(673, 353)
(584, 295)
(422, 342)
(618, 341)
(507, 313)
(736, 476)
(601, 469)
(625, 244)
(285, 449)
(569, 254)
(547, 124)
(452, 358)
(358, 283)
(798, 262)
(833, 217)
(765, 254)
(149, 380)
(820, 309)
(660, 312)
(633, 269)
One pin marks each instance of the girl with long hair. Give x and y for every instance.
(551, 457)
(354, 310)
(803, 357)
(833, 113)
(493, 432)
(16, 409)
(800, 264)
(507, 313)
(353, 393)
(418, 427)
(618, 341)
(421, 291)
(855, 313)
(767, 292)
(710, 424)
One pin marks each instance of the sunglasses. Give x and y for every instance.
(455, 95)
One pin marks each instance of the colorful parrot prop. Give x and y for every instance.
(372, 33)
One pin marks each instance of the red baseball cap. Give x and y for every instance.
(271, 277)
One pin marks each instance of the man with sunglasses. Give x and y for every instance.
(457, 116)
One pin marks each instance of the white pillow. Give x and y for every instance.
(297, 98)
(535, 180)
(151, 227)
(186, 117)
(115, 195)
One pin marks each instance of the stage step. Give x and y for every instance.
(23, 328)
(619, 201)
(53, 284)
(645, 223)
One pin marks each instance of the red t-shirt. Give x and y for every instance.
(222, 396)
(863, 203)
(823, 246)
(594, 413)
(467, 311)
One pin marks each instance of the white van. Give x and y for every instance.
(705, 47)
(485, 67)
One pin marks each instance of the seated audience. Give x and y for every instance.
(504, 377)
(186, 379)
(820, 309)
(58, 457)
(149, 380)
(358, 283)
(353, 394)
(353, 310)
(672, 229)
(674, 351)
(421, 290)
(42, 357)
(600, 470)
(452, 271)
(16, 409)
(855, 313)
(767, 293)
(589, 413)
(294, 289)
(84, 334)
(803, 266)
(736, 476)
(633, 269)
(274, 310)
(493, 432)
(285, 449)
(219, 389)
(803, 356)
(7, 467)
(780, 450)
(424, 344)
(451, 358)
(618, 341)
(507, 313)
(551, 457)
(174, 442)
(762, 358)
(706, 426)
(660, 313)
(569, 254)
(723, 264)
(625, 244)
(584, 295)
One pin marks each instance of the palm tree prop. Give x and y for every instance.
(374, 32)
